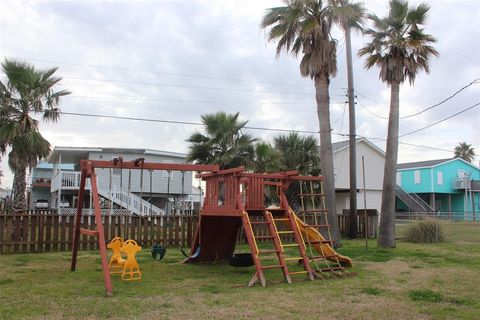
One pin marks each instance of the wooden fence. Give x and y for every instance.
(41, 231)
(371, 223)
(46, 230)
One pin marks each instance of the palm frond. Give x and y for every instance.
(398, 46)
(303, 26)
(418, 15)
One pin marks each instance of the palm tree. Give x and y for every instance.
(27, 92)
(298, 153)
(224, 144)
(465, 152)
(3, 145)
(350, 15)
(401, 49)
(267, 158)
(304, 26)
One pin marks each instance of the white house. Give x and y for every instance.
(374, 159)
(118, 188)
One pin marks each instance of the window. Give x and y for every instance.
(416, 176)
(440, 178)
(399, 179)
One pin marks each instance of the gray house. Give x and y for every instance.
(139, 192)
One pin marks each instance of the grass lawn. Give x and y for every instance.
(413, 281)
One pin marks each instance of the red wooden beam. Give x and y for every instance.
(101, 235)
(220, 172)
(148, 165)
(306, 178)
(91, 233)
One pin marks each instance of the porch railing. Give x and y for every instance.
(67, 180)
(70, 180)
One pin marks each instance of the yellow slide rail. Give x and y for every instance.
(312, 234)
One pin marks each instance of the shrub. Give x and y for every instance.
(428, 231)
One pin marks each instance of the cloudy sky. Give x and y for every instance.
(176, 60)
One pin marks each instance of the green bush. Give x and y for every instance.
(427, 231)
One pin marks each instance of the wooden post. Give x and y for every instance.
(78, 217)
(100, 233)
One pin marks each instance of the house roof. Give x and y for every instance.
(429, 163)
(421, 164)
(74, 154)
(49, 166)
(341, 145)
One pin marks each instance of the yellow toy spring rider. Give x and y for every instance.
(127, 268)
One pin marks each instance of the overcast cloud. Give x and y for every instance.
(158, 59)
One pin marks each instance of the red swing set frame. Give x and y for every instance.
(87, 168)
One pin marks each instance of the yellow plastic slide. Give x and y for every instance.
(324, 249)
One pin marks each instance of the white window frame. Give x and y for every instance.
(399, 179)
(440, 178)
(417, 177)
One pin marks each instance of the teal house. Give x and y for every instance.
(447, 187)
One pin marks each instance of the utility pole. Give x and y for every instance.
(352, 136)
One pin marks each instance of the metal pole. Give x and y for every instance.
(352, 136)
(365, 202)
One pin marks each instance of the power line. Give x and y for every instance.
(440, 121)
(371, 112)
(361, 95)
(422, 111)
(184, 101)
(410, 144)
(163, 73)
(443, 101)
(177, 122)
(341, 115)
(246, 127)
(157, 84)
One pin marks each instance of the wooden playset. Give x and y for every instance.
(237, 203)
(237, 200)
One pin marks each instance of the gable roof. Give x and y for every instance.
(72, 154)
(421, 164)
(430, 163)
(341, 145)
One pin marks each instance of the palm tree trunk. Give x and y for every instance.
(326, 152)
(386, 238)
(352, 137)
(19, 202)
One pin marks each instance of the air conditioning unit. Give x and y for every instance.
(464, 184)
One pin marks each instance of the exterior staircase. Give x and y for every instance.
(127, 199)
(413, 201)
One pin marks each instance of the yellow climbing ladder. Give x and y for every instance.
(314, 220)
(275, 235)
